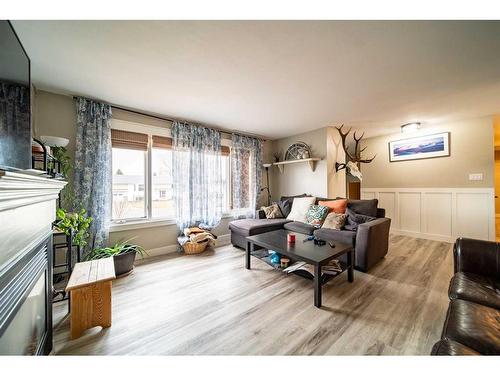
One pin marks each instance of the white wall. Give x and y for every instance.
(298, 178)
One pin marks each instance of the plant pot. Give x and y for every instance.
(124, 263)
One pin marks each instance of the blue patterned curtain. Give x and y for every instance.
(92, 176)
(197, 165)
(246, 171)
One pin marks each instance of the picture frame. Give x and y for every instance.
(423, 147)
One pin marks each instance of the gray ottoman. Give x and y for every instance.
(248, 227)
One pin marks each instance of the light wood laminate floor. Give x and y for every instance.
(210, 304)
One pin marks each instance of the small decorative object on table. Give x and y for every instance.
(275, 257)
(285, 262)
(291, 237)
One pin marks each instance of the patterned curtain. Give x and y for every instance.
(197, 165)
(92, 176)
(246, 171)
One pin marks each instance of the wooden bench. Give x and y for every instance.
(90, 288)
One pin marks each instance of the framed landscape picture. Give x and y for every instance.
(426, 146)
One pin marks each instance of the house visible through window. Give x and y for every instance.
(129, 175)
(162, 198)
(142, 176)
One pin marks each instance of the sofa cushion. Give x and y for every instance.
(297, 226)
(316, 215)
(338, 205)
(475, 288)
(342, 236)
(473, 325)
(249, 227)
(366, 207)
(300, 207)
(450, 347)
(353, 220)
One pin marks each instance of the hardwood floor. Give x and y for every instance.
(210, 304)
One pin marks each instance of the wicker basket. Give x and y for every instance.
(191, 248)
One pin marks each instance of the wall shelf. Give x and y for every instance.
(311, 161)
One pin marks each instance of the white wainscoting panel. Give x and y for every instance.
(441, 214)
(470, 220)
(387, 200)
(409, 212)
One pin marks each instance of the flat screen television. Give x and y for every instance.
(15, 101)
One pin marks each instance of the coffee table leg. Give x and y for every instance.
(247, 255)
(350, 265)
(317, 285)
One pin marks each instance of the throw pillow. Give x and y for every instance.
(285, 203)
(299, 208)
(272, 211)
(285, 206)
(338, 206)
(316, 215)
(354, 220)
(367, 207)
(334, 221)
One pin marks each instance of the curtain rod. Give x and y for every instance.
(171, 119)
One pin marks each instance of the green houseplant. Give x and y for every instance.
(123, 253)
(74, 223)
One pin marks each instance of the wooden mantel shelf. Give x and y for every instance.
(311, 161)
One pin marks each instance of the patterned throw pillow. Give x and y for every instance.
(272, 211)
(316, 215)
(334, 221)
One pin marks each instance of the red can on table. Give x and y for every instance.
(291, 237)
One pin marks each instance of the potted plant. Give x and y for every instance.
(74, 224)
(123, 253)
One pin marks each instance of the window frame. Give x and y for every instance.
(149, 220)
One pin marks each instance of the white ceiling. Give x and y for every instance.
(275, 78)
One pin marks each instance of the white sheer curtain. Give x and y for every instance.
(198, 184)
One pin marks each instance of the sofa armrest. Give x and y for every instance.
(372, 242)
(477, 256)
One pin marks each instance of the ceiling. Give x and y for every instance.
(275, 78)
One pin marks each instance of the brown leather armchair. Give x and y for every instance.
(472, 324)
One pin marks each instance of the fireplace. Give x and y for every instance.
(27, 209)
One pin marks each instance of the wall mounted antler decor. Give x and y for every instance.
(353, 160)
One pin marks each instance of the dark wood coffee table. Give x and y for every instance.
(303, 251)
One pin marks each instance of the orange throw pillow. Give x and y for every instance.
(338, 206)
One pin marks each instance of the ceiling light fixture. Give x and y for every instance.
(410, 127)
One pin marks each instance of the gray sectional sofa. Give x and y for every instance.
(370, 240)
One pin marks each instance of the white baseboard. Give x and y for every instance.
(222, 240)
(425, 236)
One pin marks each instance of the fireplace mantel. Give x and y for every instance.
(27, 210)
(21, 189)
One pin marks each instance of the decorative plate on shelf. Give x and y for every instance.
(298, 150)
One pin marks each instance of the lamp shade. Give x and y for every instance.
(51, 141)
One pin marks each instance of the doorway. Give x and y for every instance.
(496, 127)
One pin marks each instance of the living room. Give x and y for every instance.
(246, 187)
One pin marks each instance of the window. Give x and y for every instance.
(162, 198)
(129, 175)
(142, 173)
